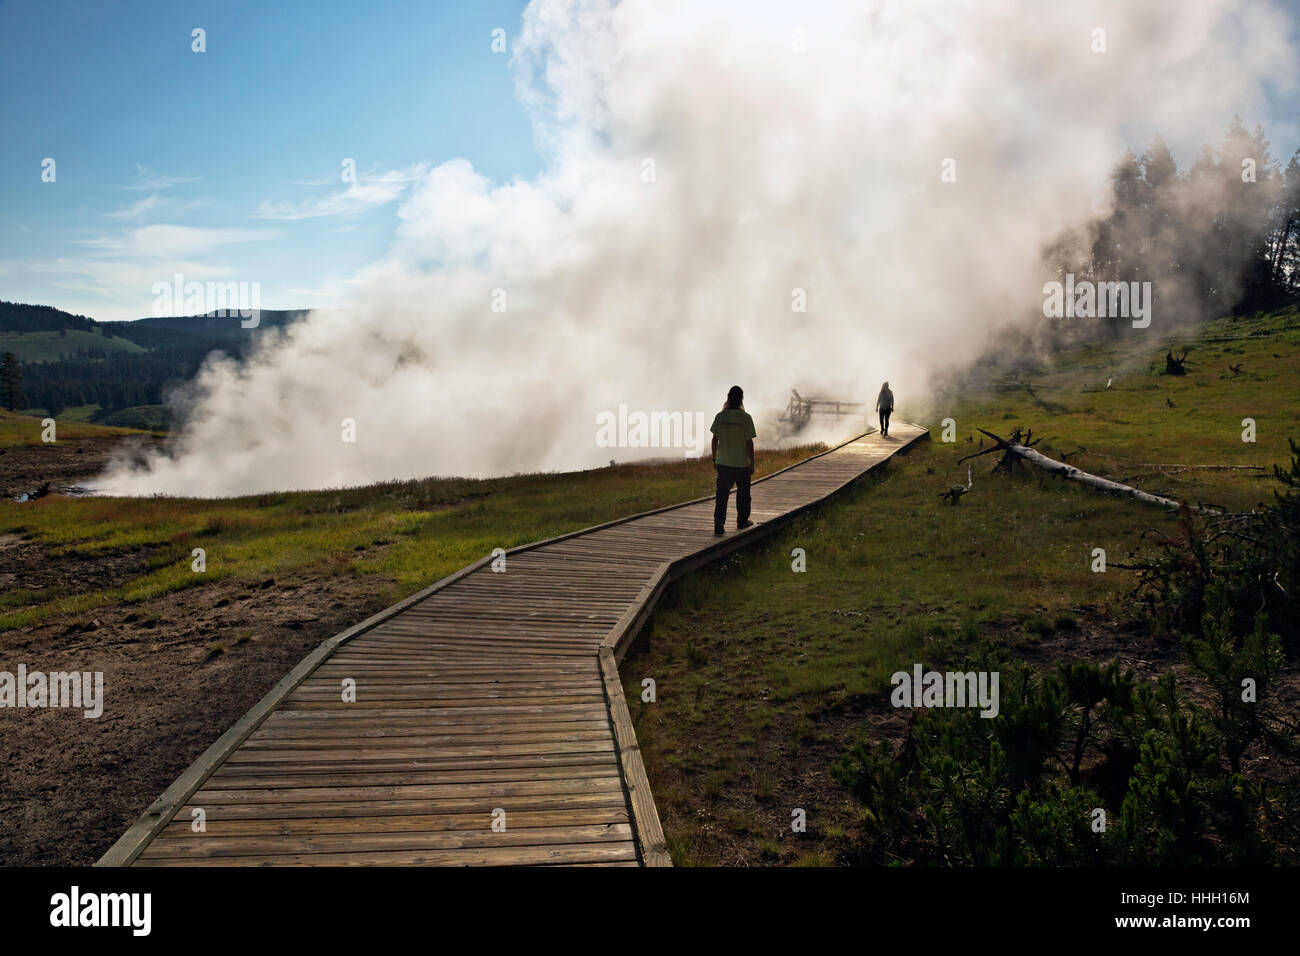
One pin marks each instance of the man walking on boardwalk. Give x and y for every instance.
(885, 406)
(733, 457)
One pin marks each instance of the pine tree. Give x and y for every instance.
(11, 382)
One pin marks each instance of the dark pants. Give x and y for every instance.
(728, 476)
(884, 420)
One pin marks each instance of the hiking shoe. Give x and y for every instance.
(742, 525)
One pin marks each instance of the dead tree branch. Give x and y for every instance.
(1015, 449)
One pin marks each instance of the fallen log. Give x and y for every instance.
(1051, 465)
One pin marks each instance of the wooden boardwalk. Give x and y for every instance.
(490, 696)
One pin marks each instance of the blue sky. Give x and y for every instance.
(228, 163)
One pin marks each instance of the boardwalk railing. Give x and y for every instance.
(488, 723)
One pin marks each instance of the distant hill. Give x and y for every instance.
(210, 327)
(52, 346)
(16, 317)
(118, 370)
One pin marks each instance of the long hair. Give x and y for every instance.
(735, 398)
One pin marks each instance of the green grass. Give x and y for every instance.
(18, 429)
(51, 347)
(399, 536)
(1147, 417)
(152, 417)
(80, 414)
(895, 577)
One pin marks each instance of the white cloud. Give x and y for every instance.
(149, 180)
(138, 209)
(153, 206)
(115, 278)
(318, 293)
(370, 191)
(161, 242)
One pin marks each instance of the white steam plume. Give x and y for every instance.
(775, 168)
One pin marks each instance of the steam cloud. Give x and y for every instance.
(775, 169)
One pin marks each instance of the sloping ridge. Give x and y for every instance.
(479, 721)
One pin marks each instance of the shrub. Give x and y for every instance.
(1021, 789)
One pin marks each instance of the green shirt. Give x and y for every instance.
(733, 427)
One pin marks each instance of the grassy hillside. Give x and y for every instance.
(25, 430)
(765, 677)
(57, 346)
(152, 418)
(118, 373)
(144, 417)
(1148, 417)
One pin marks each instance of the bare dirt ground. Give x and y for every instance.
(70, 786)
(65, 465)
